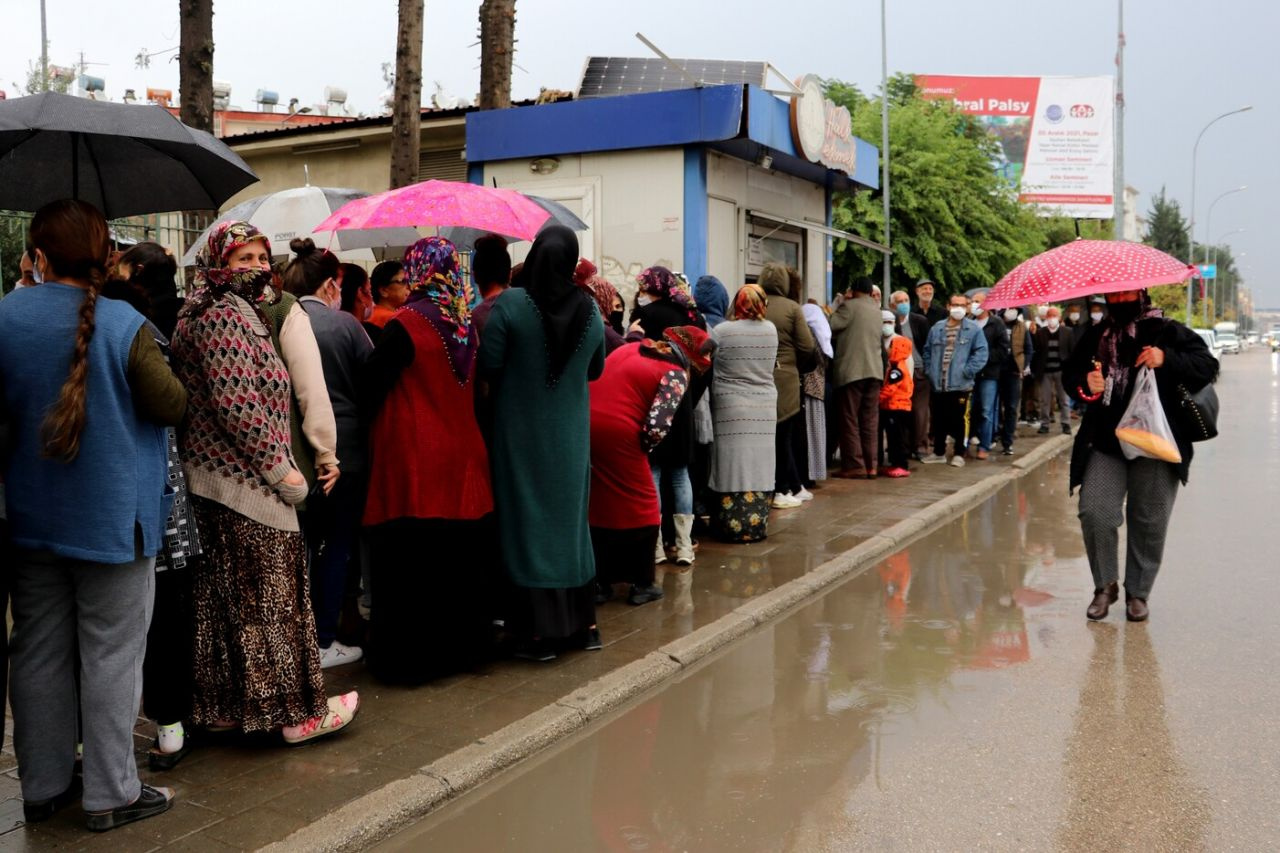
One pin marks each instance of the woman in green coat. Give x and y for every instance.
(542, 344)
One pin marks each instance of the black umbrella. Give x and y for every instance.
(125, 159)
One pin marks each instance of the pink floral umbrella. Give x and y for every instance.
(441, 204)
(1084, 268)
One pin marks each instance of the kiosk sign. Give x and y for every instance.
(821, 130)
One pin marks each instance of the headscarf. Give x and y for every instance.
(603, 292)
(712, 299)
(696, 345)
(583, 272)
(821, 328)
(1118, 349)
(438, 293)
(661, 283)
(750, 303)
(213, 279)
(564, 307)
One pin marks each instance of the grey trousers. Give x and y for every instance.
(1152, 486)
(1050, 390)
(60, 605)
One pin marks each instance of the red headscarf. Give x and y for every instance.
(696, 345)
(583, 272)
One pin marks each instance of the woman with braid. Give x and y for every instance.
(86, 395)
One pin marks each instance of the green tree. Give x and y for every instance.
(13, 239)
(953, 219)
(1166, 227)
(34, 84)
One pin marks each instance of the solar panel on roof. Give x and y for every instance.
(617, 75)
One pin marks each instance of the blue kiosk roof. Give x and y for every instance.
(712, 116)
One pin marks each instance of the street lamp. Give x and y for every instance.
(1208, 229)
(1195, 149)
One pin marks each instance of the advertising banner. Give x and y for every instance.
(1056, 136)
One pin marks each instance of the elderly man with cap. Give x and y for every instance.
(925, 306)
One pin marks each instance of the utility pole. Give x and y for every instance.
(1119, 153)
(406, 112)
(885, 288)
(44, 51)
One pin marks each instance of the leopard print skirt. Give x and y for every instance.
(256, 661)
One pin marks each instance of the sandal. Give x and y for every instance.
(151, 801)
(341, 711)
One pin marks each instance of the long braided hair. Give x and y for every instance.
(73, 239)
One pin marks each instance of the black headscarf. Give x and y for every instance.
(565, 309)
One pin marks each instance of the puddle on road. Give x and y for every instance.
(755, 749)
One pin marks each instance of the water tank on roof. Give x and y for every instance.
(335, 95)
(267, 99)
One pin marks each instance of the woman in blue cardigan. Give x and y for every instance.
(86, 394)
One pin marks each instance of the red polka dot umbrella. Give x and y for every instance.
(1084, 268)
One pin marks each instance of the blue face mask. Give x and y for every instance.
(903, 308)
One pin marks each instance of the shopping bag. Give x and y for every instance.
(1143, 429)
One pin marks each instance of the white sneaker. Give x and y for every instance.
(973, 441)
(933, 459)
(803, 495)
(339, 655)
(957, 461)
(781, 501)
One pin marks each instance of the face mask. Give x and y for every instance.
(615, 320)
(1095, 316)
(957, 313)
(643, 299)
(1124, 313)
(887, 330)
(1042, 311)
(903, 308)
(1011, 314)
(36, 276)
(976, 310)
(1074, 316)
(1053, 323)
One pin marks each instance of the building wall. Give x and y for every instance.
(632, 202)
(747, 186)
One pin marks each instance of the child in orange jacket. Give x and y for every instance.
(895, 401)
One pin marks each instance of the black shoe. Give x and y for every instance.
(1008, 451)
(1044, 430)
(150, 802)
(35, 811)
(159, 761)
(538, 651)
(604, 593)
(644, 594)
(1066, 429)
(593, 643)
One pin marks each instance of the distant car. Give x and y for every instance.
(1250, 339)
(1228, 342)
(1211, 340)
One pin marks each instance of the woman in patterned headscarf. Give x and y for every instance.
(429, 615)
(663, 300)
(256, 662)
(744, 403)
(610, 304)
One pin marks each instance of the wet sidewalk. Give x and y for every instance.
(233, 793)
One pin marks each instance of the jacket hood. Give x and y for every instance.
(773, 279)
(899, 348)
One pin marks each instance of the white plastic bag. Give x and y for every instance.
(1143, 429)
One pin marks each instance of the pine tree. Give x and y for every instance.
(1166, 228)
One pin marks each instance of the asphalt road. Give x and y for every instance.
(955, 697)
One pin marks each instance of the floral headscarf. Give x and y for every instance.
(662, 283)
(431, 268)
(750, 303)
(696, 345)
(213, 278)
(438, 293)
(603, 292)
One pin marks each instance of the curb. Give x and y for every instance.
(382, 812)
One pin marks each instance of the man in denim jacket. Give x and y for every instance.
(954, 353)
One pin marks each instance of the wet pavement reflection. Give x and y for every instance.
(954, 696)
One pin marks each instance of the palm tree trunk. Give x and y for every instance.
(195, 63)
(407, 109)
(497, 50)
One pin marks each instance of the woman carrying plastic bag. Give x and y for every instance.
(1136, 355)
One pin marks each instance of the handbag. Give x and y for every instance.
(1197, 413)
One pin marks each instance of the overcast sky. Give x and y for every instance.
(1187, 61)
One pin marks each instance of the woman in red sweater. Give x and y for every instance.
(429, 505)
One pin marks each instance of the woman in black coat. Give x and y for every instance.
(1102, 372)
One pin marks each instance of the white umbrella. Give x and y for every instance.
(296, 212)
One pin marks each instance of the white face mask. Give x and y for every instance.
(976, 309)
(1011, 314)
(1095, 316)
(887, 330)
(957, 312)
(1052, 323)
(1074, 316)
(643, 299)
